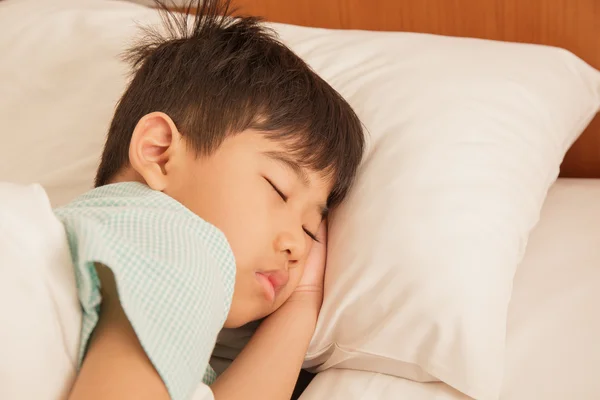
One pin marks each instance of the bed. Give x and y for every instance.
(445, 117)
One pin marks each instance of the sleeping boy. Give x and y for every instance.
(223, 157)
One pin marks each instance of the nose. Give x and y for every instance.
(292, 244)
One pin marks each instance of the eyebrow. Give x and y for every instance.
(294, 166)
(289, 163)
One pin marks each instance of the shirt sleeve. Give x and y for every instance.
(174, 278)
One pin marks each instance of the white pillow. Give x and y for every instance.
(552, 350)
(465, 138)
(61, 76)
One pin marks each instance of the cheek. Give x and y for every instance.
(247, 232)
(242, 214)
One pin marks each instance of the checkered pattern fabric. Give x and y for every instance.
(175, 275)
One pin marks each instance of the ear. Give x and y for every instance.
(154, 142)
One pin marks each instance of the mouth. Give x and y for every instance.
(267, 286)
(271, 283)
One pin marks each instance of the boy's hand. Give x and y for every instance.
(268, 366)
(311, 283)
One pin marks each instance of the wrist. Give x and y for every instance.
(303, 302)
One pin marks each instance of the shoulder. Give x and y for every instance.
(149, 222)
(132, 207)
(144, 234)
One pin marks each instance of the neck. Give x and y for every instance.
(128, 175)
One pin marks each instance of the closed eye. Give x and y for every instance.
(279, 192)
(311, 235)
(285, 199)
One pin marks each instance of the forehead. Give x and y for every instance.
(277, 152)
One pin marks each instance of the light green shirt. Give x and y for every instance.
(175, 275)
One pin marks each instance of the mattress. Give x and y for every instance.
(553, 332)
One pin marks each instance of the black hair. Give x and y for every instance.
(217, 75)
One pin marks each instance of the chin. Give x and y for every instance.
(233, 324)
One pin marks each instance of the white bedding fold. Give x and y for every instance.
(39, 308)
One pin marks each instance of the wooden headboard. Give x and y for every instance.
(571, 24)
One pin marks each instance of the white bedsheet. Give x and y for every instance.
(553, 338)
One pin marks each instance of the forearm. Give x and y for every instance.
(269, 365)
(115, 365)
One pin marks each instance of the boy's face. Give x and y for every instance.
(266, 206)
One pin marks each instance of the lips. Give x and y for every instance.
(277, 278)
(272, 282)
